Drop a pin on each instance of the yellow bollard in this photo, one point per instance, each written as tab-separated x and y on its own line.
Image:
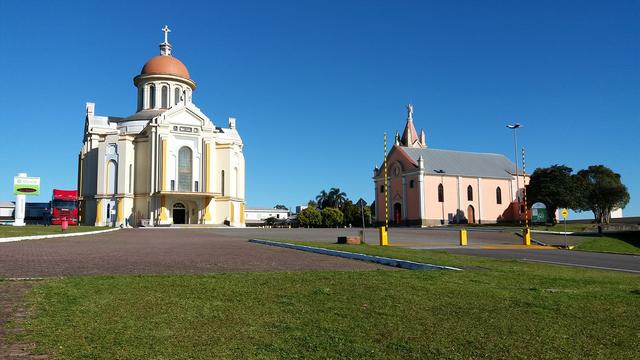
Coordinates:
463	237
526	236
384	241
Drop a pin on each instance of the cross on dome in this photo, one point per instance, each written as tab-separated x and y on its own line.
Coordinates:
165	47
166	31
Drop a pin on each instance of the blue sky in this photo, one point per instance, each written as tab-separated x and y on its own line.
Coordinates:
314	84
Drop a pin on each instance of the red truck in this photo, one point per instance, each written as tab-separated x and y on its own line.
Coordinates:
64	205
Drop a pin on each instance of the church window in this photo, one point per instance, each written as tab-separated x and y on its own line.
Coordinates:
173	185
196	184
112	179
381	189
222	183
411	184
176	96
498	195
440	193
165	97
184	169
152	96
469	193
130	178
140	98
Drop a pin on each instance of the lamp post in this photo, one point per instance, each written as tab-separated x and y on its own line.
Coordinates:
514	127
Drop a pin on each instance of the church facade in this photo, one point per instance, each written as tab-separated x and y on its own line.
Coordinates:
427	187
167	163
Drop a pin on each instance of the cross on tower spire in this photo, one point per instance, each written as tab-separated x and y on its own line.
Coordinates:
165	47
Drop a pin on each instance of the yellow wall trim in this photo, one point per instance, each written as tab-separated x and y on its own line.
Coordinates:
99	211
163	186
163	208
207	213
120	214
232	215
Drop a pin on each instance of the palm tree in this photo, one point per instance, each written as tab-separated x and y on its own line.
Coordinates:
322	199
337	197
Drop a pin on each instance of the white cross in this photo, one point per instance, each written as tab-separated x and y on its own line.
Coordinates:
166	34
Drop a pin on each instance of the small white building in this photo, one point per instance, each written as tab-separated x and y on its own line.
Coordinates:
6	211
257	216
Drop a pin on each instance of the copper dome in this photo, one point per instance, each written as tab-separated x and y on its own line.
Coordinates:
165	65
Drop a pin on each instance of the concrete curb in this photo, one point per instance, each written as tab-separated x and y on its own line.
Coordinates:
52	236
404	264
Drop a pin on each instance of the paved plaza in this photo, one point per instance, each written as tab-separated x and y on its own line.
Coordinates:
206	250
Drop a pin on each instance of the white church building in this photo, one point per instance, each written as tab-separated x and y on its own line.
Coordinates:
167	163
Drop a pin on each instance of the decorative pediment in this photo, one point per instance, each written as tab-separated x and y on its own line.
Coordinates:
185	115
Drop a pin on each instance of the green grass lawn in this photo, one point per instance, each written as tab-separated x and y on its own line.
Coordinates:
494	309
11	231
624	243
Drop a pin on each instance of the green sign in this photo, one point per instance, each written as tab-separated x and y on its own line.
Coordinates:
539	213
26	185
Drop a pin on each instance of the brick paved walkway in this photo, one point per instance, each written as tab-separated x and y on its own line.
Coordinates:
157	251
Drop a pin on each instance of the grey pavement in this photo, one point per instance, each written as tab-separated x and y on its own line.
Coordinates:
201	250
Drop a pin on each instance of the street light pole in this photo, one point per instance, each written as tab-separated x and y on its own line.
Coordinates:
514	127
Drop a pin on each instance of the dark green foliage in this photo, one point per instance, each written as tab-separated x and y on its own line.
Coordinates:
310	217
353	214
334	198
332	217
602	192
270	221
555	187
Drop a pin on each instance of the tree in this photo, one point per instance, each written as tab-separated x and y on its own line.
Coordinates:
321	199
332	217
280	207
555	187
270	221
353	214
310	217
334	198
337	198
602	192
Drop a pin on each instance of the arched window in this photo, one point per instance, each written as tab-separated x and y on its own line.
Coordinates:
152	96
440	193
185	169
411	184
236	191
112	177
498	195
165	96
222	182
176	96
140	98
469	193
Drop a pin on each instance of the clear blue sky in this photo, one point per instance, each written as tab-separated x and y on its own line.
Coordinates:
314	84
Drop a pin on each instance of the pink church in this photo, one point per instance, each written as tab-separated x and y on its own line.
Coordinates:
429	187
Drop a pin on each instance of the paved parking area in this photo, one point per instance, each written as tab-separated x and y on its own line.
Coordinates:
158	251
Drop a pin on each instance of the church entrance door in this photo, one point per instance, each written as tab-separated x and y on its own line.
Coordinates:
397	213
179	214
471	215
